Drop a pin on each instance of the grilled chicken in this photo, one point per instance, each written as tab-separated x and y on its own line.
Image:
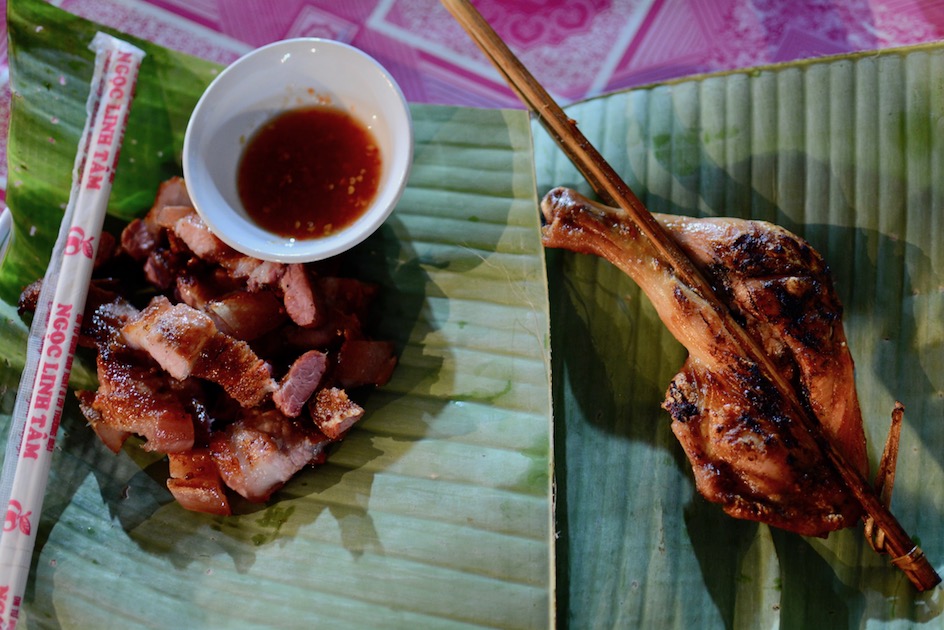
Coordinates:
747	451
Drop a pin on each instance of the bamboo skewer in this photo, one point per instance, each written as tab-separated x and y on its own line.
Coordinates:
906	555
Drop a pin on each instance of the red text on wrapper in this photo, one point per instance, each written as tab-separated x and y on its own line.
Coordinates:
51	380
104	151
15	612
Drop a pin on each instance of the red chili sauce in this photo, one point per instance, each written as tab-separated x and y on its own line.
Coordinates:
309	172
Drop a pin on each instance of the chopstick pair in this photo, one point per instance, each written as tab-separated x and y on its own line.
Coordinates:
57	320
607	183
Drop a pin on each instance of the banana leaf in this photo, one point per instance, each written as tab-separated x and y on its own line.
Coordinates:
847	152
434	512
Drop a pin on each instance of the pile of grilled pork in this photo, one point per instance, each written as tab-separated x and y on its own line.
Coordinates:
238	369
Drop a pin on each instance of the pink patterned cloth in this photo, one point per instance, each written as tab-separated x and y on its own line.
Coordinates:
576	48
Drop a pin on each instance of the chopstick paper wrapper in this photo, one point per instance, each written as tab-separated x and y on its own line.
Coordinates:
58	317
6	226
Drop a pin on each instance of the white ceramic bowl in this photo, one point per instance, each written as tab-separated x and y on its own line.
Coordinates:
264	83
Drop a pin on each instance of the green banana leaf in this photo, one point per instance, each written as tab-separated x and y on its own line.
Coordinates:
434	512
847	152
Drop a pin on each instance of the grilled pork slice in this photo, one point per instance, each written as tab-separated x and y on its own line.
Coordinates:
138	239
185	342
348	295
246	315
746	451
141	236
301	300
262	450
198	288
196	484
333	412
196	236
365	362
300	382
135	396
111	437
173	334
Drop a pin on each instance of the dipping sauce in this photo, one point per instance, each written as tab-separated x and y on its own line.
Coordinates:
309	172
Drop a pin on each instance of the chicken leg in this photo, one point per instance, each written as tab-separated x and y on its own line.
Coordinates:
747	451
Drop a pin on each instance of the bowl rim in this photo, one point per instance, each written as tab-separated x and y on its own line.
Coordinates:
279	248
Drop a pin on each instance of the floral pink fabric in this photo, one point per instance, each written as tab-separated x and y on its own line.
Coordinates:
576	48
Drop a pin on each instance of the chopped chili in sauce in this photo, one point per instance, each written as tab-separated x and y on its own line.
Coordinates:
309	172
